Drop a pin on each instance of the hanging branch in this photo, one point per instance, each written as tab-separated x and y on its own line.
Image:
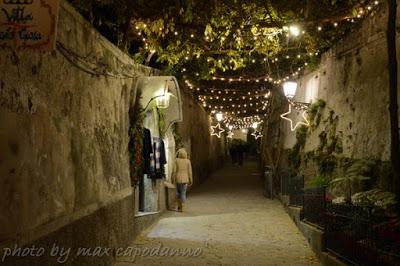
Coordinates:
393	105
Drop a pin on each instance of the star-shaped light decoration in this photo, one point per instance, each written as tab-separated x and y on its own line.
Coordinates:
217	133
306	123
230	135
257	134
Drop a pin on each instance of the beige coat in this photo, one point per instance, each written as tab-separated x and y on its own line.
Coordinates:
182	171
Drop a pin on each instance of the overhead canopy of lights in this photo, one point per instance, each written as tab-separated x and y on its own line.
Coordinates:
234	56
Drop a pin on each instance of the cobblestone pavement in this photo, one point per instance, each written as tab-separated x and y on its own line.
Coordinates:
230	222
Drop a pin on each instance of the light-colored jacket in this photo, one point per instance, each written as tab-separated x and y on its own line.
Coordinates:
182	171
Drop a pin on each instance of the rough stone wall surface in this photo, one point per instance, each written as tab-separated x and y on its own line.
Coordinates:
206	152
63	131
353	81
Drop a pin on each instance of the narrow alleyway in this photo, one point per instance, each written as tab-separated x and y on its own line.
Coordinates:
230	220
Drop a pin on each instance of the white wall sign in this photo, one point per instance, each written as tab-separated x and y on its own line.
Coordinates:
28	23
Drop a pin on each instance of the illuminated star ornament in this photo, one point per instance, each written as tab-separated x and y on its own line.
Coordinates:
305	121
217	130
257	134
230	135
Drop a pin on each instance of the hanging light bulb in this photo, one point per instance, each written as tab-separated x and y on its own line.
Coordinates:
294	30
219	117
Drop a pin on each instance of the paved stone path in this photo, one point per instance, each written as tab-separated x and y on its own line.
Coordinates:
228	218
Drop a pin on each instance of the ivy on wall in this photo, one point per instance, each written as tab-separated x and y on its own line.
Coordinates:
330	141
295	153
135	145
343	174
325	156
162	124
178	141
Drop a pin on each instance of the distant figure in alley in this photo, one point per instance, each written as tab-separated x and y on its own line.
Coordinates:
182	177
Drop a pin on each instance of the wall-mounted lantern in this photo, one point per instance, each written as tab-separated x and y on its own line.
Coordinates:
162	92
162	97
289	89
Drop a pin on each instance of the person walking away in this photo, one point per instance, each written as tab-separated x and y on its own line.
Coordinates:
240	153
233	153
182	177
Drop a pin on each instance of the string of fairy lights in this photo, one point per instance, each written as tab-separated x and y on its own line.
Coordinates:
265	79
288	31
244	122
243	108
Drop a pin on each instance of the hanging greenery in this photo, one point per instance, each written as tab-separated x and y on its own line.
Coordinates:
359	171
315	112
221	44
135	146
294	156
162	125
178	140
274	36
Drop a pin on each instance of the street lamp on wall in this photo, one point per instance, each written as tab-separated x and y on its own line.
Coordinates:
162	101
289	89
161	97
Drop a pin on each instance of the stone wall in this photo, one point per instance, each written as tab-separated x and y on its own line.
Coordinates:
353	81
64	162
64	138
206	152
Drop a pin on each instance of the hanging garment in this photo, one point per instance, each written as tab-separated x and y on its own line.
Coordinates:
147	152
160	159
163	157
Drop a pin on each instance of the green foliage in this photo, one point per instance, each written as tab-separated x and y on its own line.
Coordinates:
315	112
178	141
361	167
319	181
136	140
208	37
110	17
357	172
326	163
294	156
375	198
330	143
162	126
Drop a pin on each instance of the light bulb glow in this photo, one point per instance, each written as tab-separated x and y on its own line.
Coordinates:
294	30
163	98
219	117
289	88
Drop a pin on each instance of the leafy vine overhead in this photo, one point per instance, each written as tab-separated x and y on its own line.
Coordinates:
216	39
213	38
227	45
